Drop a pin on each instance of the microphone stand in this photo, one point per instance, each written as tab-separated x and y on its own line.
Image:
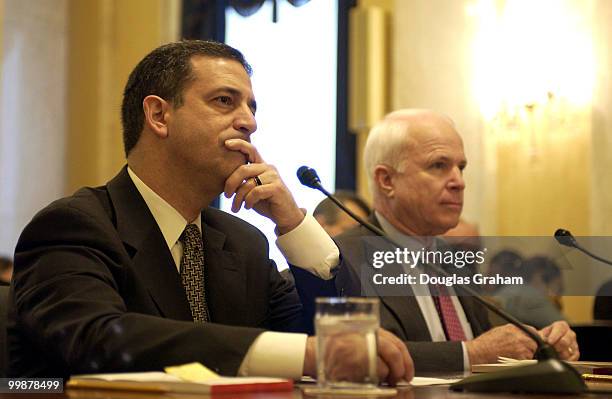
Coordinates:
549	375
564	237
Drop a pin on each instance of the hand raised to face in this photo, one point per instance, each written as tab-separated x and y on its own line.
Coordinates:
271	198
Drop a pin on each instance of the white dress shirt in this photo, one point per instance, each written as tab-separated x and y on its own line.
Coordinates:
307	246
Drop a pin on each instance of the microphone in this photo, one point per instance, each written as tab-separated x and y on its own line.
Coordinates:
310	178
549	375
564	237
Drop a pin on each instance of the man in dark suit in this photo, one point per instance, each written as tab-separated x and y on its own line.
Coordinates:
415	160
139	274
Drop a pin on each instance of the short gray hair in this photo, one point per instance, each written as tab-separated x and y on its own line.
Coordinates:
385	145
388	140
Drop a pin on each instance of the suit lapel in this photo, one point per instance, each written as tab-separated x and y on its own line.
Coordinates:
408	314
404	308
152	261
226	277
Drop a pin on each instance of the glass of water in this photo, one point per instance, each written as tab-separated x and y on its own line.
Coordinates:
346	342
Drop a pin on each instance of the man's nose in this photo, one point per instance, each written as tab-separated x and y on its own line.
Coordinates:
245	120
457	182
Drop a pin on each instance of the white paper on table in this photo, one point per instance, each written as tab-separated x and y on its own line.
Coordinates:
503	359
416	381
427	381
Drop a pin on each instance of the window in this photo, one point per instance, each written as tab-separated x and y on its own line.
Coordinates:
294	81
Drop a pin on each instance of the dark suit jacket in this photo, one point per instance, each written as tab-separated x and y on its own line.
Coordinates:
95	289
399	314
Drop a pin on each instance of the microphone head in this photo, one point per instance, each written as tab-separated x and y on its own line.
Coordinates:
308	177
564	237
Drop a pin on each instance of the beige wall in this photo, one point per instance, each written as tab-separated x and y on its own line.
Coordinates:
106	40
601	141
432	69
601	178
380	55
1	37
66	62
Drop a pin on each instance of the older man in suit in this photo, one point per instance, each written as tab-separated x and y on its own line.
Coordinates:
415	162
140	273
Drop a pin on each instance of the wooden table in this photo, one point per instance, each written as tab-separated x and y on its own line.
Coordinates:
431	392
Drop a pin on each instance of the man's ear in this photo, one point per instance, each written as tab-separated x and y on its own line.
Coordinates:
155	115
383	179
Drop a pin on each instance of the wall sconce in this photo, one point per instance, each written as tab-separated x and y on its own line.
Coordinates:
531	60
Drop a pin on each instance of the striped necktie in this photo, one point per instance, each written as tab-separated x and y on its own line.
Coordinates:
447	312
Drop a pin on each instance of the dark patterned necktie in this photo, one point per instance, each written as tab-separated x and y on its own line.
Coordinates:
447	312
192	272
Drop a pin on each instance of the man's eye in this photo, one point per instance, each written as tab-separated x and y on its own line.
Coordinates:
438	165
226	100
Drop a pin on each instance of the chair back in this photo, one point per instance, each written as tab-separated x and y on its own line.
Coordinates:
594	340
4	290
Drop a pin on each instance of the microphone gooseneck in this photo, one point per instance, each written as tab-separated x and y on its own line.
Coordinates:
564	237
548	375
309	178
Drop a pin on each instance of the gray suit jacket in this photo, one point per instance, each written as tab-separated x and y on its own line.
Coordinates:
399	314
95	289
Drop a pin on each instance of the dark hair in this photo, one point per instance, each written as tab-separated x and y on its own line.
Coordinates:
165	72
506	262
546	267
330	211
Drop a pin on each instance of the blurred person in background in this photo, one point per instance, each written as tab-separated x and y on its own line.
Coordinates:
504	263
334	220
537	301
465	237
6	270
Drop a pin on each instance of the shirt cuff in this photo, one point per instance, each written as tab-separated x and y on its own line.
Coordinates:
309	247
275	354
466	358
